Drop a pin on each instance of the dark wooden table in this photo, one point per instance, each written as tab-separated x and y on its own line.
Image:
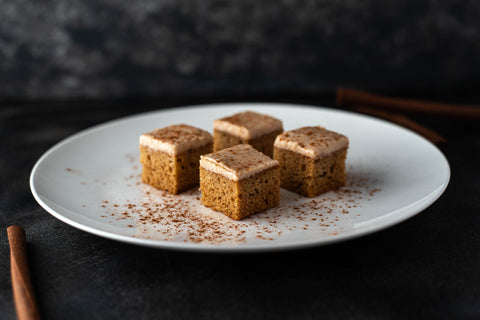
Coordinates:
425	267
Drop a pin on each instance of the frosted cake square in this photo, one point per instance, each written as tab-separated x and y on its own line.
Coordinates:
312	160
170	156
239	181
258	130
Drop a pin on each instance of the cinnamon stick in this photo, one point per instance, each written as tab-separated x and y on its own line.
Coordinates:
406	122
350	97
23	295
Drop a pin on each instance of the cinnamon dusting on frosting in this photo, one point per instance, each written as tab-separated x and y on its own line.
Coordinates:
248	125
175	139
238	162
313	142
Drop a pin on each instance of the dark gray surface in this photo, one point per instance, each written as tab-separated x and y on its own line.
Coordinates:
424	268
105	49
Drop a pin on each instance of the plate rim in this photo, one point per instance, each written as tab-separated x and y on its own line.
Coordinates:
385	222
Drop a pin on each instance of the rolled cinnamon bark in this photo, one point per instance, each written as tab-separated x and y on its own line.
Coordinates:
23	294
349	97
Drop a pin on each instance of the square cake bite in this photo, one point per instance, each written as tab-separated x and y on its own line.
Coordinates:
256	129
312	160
239	181
170	156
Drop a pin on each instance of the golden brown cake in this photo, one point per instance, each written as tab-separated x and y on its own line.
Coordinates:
239	181
256	129
170	156
312	160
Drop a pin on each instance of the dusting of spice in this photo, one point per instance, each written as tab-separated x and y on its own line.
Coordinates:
157	215
75	171
175	139
237	162
313	142
248	125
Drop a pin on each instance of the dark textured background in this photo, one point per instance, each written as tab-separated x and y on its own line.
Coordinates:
104	49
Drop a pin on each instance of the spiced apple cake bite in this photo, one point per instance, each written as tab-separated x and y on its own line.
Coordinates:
170	156
258	130
239	181
312	160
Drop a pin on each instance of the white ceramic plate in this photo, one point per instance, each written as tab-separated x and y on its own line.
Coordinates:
91	181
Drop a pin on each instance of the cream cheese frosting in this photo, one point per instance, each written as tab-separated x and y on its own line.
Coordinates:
248	125
237	163
175	139
313	142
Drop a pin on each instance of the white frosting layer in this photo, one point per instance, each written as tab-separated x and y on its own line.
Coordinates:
313	142
237	163
175	139
248	125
